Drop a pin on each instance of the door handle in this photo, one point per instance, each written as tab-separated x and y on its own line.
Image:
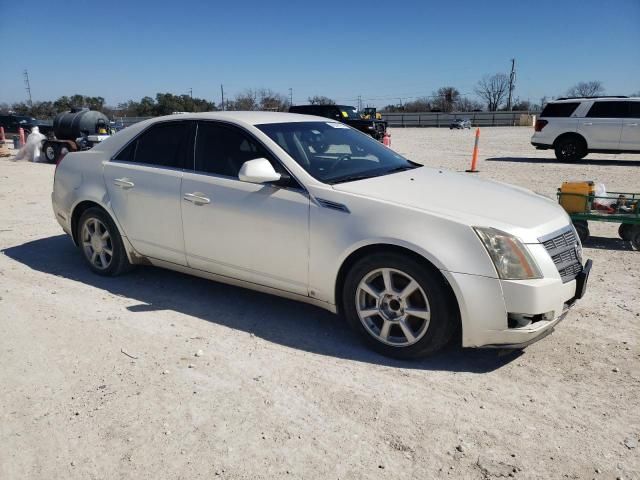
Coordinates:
588	123
196	198
632	124
124	183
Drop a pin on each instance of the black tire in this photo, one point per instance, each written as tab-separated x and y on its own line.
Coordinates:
624	231
570	148
582	228
117	261
635	237
431	335
51	151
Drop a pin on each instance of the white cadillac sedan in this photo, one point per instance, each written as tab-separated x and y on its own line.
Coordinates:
310	209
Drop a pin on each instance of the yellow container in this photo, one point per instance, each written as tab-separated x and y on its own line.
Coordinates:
574	196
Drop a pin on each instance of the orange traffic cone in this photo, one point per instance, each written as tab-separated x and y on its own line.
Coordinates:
474	158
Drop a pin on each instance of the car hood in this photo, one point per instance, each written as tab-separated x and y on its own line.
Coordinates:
465	199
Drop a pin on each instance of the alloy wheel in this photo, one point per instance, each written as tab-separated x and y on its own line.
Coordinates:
97	244
393	307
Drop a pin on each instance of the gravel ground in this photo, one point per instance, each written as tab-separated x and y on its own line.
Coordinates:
161	375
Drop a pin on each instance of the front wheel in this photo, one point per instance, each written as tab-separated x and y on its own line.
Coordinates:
401	308
101	244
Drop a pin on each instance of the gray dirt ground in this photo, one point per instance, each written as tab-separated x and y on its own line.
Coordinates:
285	390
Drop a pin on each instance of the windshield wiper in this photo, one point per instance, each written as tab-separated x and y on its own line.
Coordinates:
362	176
401	169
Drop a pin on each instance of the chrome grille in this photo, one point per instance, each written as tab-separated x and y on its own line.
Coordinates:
565	251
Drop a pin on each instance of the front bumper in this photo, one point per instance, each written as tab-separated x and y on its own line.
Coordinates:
488	306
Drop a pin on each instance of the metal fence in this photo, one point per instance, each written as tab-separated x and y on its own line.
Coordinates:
478	119
426	119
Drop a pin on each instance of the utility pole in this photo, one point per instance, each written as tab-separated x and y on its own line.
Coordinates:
222	91
191	92
28	86
512	80
290	96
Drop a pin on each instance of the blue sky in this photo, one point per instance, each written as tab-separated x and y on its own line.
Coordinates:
380	50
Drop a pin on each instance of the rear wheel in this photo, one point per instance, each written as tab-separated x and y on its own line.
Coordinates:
570	149
51	151
582	227
400	308
101	244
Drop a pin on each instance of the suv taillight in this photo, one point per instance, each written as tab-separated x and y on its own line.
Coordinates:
540	124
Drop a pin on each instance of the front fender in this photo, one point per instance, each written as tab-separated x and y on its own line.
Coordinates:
334	235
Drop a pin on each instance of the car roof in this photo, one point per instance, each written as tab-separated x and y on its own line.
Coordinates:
593	99
241	118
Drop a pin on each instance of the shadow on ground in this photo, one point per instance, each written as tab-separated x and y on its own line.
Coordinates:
275	319
606	243
584	161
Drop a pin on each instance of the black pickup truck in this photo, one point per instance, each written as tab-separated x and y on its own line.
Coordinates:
345	114
12	123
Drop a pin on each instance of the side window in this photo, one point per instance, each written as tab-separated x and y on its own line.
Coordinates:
635	109
128	154
222	149
163	145
609	110
561	109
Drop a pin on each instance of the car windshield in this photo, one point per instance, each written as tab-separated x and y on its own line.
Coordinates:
333	152
351	113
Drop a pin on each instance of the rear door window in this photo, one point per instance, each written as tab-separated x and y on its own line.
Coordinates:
564	109
634	111
604	109
163	145
223	149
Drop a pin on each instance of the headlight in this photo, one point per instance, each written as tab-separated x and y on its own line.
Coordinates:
511	258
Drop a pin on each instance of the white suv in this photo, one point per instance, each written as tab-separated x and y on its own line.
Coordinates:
574	127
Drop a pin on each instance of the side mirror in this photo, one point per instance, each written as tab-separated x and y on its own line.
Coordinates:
259	170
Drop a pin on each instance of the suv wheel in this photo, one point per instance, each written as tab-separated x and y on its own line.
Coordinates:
101	244
400	308
570	149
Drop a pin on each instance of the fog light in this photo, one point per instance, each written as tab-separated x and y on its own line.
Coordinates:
519	320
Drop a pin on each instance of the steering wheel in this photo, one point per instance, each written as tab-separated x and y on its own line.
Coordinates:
339	160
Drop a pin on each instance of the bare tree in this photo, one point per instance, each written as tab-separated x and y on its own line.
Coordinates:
247	100
272	101
465	104
493	90
586	89
445	99
320	100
